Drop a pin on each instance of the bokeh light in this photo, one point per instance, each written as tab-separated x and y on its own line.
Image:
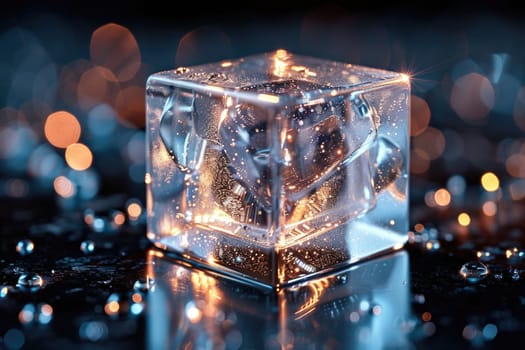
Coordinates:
62	129
78	156
96	85
489	208
442	197
64	187
464	219
203	45
130	106
114	47
430	144
490	182
472	97
134	210
419	115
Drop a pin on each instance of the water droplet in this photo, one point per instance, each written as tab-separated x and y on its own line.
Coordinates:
30	282
474	271
182	70
5	291
87	247
515	274
25	247
217	77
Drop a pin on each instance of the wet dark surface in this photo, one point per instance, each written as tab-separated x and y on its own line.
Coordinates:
441	307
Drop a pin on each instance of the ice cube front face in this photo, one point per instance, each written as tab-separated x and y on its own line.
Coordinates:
276	167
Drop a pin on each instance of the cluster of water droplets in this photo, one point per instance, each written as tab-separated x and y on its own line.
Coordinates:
94	232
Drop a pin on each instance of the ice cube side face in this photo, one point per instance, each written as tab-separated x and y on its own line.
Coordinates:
274	168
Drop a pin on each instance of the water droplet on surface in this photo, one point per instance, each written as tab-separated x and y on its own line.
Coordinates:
515	274
474	271
5	291
30	282
25	247
182	70
87	247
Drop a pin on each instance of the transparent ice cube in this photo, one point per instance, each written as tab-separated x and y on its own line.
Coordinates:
267	166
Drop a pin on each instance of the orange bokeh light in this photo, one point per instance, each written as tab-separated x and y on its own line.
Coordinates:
431	143
515	165
490	182
472	97
64	187
78	156
134	210
419	115
464	219
95	86
442	197
130	105
115	48
62	129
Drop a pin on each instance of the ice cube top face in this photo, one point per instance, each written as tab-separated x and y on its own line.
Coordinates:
275	167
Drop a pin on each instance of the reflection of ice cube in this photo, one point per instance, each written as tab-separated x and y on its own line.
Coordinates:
304	315
317	138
